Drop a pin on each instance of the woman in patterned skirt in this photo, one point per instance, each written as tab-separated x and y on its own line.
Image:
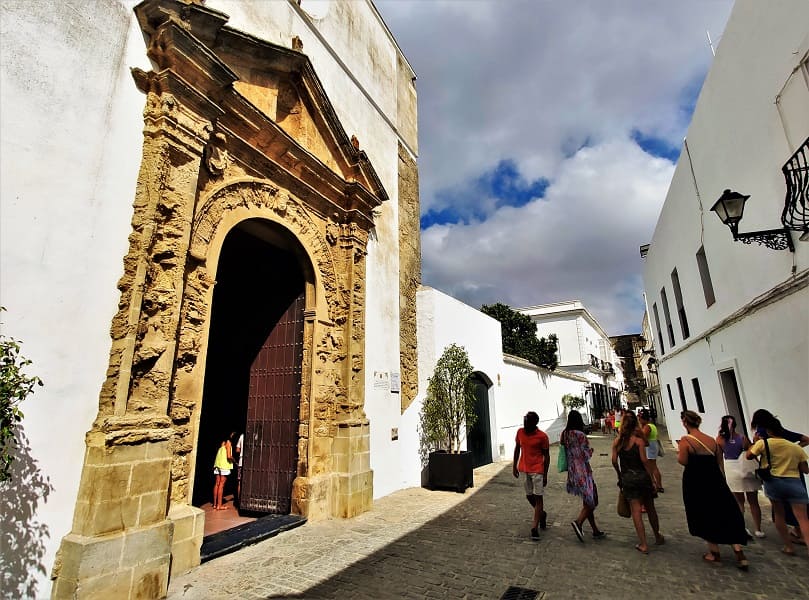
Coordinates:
579	474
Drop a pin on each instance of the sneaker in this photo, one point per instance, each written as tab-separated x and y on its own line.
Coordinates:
599	535
577	528
534	534
759	534
543	520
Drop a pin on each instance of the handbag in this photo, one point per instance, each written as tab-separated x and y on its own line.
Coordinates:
623	505
765	473
561	460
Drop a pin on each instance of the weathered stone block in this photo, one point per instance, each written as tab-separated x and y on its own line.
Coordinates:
151	476
106	517
189	522
109	483
143	545
152	508
114	585
185	555
83	557
151	580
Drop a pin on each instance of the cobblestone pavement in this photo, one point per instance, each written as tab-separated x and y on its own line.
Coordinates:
417	543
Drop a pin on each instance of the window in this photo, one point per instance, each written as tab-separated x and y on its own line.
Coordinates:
681	391
678	300
657	326
698	395
667	315
705	277
671	398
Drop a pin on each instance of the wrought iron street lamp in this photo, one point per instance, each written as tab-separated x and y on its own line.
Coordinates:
730	209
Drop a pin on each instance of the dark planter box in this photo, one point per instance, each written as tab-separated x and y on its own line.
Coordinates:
446	470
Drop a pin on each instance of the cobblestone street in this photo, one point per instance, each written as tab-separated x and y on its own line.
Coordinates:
432	544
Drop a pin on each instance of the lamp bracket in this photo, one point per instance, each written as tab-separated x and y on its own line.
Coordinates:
774	239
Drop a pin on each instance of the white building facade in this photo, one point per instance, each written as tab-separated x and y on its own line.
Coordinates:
584	350
730	320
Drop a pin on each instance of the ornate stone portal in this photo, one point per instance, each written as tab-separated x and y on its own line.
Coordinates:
235	129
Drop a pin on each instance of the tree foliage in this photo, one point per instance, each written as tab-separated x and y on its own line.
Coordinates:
570	401
15	386
520	336
450	403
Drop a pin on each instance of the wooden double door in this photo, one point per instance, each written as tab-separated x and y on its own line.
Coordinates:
270	451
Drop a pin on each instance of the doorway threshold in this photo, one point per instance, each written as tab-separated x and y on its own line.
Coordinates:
230	540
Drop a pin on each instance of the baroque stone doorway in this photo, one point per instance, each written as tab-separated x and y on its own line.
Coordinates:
259	279
237	132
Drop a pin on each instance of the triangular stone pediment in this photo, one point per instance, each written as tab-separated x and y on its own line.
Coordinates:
270	95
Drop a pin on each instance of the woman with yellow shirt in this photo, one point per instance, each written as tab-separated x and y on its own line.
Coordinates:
786	461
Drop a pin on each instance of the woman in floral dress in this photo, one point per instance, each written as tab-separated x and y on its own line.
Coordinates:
579	474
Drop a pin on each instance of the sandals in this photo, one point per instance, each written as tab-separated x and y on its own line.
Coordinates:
741	560
788	551
659	539
641	550
711	557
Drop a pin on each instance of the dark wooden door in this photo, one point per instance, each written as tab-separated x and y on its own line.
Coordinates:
479	437
273	405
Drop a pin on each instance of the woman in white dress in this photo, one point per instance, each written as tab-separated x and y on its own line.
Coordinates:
739	472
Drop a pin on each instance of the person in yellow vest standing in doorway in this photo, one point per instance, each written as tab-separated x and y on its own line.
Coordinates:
222	467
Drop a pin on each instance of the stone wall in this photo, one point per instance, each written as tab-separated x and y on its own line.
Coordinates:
409	273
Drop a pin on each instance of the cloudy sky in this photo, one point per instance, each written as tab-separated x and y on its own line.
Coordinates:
548	134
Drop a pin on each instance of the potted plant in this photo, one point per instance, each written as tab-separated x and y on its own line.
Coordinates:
447	412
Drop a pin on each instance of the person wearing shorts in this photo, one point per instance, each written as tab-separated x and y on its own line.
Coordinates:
649	430
223	465
786	461
532	457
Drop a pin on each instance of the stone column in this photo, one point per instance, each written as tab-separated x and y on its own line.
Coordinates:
352	446
120	543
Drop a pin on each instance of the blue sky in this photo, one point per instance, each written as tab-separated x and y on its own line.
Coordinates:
548	135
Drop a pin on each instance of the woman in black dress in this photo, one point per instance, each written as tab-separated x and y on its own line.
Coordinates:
710	508
635	478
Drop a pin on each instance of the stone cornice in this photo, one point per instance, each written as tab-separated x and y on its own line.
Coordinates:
191	46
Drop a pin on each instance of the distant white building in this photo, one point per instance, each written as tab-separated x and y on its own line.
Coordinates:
729	320
585	350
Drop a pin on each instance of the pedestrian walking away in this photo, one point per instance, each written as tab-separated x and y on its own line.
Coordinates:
740	472
532	457
635	479
760	416
580	481
710	508
783	486
649	430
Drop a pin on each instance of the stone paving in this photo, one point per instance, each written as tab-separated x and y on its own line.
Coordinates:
433	544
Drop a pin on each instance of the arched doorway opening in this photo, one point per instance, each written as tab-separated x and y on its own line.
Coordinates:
479	437
253	367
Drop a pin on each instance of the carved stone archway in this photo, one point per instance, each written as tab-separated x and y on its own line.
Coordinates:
235	129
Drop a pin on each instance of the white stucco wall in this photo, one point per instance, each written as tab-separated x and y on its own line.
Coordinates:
739	138
443	320
70	142
525	387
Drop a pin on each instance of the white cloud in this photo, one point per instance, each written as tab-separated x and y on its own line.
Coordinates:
533	81
579	242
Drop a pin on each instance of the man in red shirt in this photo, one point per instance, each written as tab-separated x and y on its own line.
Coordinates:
532	456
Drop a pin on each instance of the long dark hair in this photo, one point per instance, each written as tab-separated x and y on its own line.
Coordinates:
574	423
725	426
766	420
628	426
